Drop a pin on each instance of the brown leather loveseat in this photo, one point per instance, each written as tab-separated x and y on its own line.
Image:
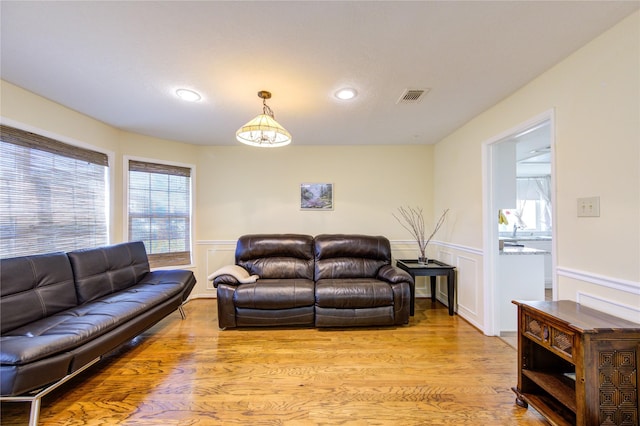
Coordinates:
332	280
61	312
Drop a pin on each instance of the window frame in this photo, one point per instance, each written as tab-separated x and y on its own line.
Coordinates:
125	202
66	140
539	204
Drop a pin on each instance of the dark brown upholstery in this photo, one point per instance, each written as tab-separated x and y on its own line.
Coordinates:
33	288
333	280
276	256
60	311
284	294
106	270
350	288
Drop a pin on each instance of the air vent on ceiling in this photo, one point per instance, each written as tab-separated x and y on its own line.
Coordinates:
412	96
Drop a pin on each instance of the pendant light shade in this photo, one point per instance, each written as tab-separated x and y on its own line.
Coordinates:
264	130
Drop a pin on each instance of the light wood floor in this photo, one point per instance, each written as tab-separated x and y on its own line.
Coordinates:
438	370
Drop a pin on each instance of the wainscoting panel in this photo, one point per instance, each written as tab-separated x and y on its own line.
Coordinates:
631	313
469	287
447	257
212	255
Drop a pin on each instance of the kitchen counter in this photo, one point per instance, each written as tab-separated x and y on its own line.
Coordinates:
526	238
521	251
520	276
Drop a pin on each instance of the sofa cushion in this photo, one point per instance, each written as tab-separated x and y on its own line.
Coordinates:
34	287
276	255
353	293
350	256
275	294
106	270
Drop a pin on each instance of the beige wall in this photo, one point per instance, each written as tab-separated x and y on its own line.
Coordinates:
36	112
595	94
247	190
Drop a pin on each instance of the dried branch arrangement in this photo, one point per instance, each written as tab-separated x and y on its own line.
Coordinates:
412	220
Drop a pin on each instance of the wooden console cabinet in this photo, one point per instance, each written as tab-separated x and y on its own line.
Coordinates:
576	365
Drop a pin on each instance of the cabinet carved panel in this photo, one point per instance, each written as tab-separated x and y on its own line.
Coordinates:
618	387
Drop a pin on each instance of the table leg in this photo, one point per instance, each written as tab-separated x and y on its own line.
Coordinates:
433	288
451	285
412	302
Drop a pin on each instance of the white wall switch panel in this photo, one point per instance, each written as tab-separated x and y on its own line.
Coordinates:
589	207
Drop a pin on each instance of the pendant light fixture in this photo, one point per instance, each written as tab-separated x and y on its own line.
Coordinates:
264	130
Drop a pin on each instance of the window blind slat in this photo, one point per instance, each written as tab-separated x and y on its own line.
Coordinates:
163	169
169	259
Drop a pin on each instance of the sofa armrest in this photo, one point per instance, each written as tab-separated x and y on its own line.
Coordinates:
393	275
184	278
225	279
233	275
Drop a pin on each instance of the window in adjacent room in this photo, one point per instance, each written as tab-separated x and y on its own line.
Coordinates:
533	211
53	196
159	211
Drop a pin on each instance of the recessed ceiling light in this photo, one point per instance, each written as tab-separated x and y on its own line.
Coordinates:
346	94
188	95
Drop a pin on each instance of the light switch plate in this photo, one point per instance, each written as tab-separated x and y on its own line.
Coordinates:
589	207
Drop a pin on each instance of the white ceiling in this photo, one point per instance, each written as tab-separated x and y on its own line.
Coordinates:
120	62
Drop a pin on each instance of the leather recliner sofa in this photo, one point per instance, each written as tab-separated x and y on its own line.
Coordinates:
332	280
61	312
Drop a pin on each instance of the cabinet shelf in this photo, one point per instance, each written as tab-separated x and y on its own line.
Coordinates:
558	386
555	413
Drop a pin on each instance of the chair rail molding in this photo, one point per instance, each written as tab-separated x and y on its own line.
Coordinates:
632	287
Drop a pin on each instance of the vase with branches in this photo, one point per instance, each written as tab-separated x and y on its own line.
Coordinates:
412	219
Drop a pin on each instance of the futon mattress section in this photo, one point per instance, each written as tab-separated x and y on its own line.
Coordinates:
74	327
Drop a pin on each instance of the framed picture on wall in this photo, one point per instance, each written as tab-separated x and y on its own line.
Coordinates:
316	196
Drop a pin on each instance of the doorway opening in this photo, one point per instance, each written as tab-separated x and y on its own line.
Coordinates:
518	232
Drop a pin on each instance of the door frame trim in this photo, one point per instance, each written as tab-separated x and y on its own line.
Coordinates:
490	223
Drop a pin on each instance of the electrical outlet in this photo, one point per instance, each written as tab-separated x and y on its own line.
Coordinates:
589	207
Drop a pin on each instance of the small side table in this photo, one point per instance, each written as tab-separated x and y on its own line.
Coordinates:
433	269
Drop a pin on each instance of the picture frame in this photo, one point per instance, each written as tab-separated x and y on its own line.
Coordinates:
316	196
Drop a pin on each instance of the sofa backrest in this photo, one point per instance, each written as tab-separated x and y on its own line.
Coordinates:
34	287
276	255
350	256
105	270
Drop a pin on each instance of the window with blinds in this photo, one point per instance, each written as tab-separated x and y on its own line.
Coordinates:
160	211
53	196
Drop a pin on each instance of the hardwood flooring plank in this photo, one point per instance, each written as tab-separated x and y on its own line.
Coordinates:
438	370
